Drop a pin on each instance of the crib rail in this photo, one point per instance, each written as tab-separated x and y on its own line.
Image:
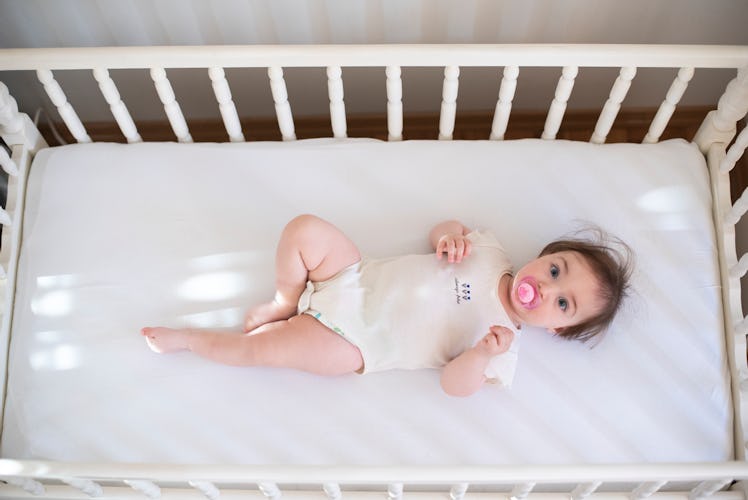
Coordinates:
598	482
568	58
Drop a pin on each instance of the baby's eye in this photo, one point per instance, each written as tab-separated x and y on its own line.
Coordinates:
554	271
563	304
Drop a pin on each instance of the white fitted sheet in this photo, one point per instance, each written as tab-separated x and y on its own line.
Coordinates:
121	236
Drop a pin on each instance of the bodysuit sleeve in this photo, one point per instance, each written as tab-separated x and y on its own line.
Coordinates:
501	368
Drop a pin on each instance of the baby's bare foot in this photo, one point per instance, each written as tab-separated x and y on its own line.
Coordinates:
267	313
165	340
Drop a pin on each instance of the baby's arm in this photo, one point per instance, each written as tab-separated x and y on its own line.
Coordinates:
450	237
463	375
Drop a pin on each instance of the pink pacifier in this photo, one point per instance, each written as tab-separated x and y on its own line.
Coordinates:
527	293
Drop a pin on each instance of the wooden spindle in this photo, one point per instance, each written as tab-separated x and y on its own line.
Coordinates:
282	106
332	490
207	488
395	491
147	488
394	103
119	110
720	124
584	490
739	269
646	490
7	163
270	490
504	103
708	488
558	106
5	218
458	491
11	121
520	491
60	100
665	112
613	104
742	327
31	486
337	106
226	104
738	209
171	106
735	152
449	102
87	486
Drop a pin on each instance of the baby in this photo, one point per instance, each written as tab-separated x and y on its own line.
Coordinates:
335	312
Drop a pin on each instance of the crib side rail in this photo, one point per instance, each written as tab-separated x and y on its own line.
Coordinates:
597	482
570	59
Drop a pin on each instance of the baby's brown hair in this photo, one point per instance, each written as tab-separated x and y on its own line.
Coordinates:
611	261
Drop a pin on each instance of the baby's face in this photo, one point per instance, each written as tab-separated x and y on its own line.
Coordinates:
556	291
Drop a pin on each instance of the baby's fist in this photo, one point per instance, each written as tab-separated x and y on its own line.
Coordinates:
496	341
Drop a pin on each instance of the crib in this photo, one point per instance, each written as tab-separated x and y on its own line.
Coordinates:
49	474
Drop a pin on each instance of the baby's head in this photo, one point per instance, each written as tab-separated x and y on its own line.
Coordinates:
575	286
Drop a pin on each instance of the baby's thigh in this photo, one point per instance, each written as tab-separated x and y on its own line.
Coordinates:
306	344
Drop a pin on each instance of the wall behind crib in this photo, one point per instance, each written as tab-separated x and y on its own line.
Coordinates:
68	23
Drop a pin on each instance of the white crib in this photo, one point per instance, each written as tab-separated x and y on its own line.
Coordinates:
24	478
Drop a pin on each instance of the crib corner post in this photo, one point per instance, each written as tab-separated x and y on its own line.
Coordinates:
720	124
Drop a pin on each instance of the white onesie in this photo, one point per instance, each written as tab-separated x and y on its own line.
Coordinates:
416	311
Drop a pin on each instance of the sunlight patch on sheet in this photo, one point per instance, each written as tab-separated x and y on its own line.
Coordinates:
223	318
667	200
212	286
57	281
64	357
57	303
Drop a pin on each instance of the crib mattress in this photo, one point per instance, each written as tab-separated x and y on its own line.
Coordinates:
117	237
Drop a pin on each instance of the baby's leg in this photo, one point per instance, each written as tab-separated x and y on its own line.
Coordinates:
309	248
302	343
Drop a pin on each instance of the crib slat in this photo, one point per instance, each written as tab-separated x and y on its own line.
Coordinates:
394	103
87	486
520	491
337	106
270	490
282	107
28	485
7	163
458	491
332	490
665	112
558	106
60	100
449	102
171	106
147	488
226	104
584	490
11	121
738	209
504	103
207	488
395	491
735	152
647	489
708	488
119	110
613	104
739	269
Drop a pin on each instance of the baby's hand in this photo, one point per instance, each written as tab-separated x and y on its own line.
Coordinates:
496	341
456	246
